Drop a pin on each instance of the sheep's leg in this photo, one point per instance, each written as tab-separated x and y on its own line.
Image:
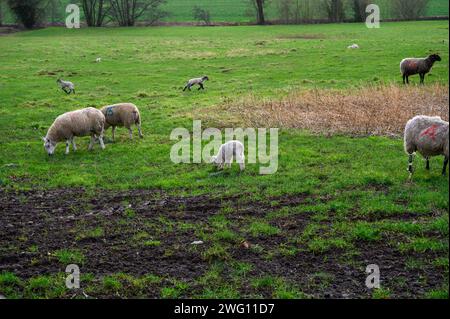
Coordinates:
100	138
74	146
427	167
201	87
91	143
407	79
67	146
404	79
422	78
444	169
410	165
130	132
241	162
113	129
140	131
73	91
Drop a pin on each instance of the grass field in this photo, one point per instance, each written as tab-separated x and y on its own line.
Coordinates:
127	214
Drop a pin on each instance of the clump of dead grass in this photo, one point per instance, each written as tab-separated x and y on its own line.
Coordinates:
376	110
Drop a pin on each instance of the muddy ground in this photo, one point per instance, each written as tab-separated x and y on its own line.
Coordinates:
60	219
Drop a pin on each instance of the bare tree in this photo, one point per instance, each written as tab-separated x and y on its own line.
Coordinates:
259	6
95	12
1	13
409	9
126	12
28	12
202	15
53	8
359	9
286	10
334	10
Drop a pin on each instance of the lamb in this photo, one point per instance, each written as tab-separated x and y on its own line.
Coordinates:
66	86
353	46
428	136
122	114
226	153
195	81
420	66
88	121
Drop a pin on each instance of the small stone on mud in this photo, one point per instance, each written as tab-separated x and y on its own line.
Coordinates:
197	242
245	244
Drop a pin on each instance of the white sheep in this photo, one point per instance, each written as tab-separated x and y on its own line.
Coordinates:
422	66
66	86
195	81
122	114
228	151
88	121
353	46
428	136
98	60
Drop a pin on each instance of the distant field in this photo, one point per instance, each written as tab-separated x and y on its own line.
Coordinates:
241	10
128	215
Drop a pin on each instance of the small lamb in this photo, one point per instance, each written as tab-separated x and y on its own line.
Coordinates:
88	121
195	81
353	46
228	151
428	136
98	60
66	86
122	114
422	66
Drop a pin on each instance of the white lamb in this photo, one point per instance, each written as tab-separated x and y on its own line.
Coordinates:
88	121
228	151
66	86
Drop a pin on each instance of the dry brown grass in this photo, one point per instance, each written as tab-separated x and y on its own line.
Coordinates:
381	110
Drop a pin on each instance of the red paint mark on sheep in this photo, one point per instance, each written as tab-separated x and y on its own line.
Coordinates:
431	132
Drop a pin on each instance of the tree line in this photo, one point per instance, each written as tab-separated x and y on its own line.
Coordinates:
127	12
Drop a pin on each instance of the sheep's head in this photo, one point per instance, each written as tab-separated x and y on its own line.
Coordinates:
205	78
49	146
58	81
435	57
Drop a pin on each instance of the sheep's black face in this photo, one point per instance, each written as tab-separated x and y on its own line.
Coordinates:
435	57
205	78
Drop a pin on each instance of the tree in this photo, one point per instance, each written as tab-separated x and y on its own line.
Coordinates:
334	10
359	9
126	12
258	6
285	10
409	9
53	8
1	13
27	12
202	15
95	12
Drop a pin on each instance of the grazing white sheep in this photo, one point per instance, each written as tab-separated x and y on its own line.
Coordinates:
422	66
88	121
228	151
122	114
98	60
353	46
66	86
428	136
195	81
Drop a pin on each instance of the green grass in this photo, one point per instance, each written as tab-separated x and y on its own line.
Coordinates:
340	175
